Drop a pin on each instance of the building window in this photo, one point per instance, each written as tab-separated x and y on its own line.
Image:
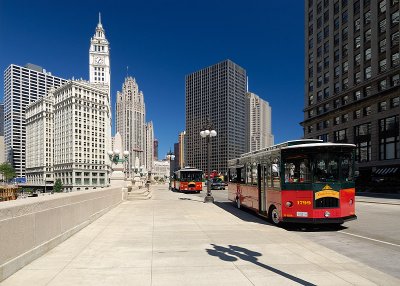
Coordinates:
383	84
326	32
336	120
319	125
382	106
337	71
382	46
345	100
345	118
336	103
382	65
395	18
395	59
345	33
394	102
340	136
357	42
326	77
319	95
357	25
319	66
319	81
336	23
382	26
345	66
337	87
382	6
367	111
367	17
357	77
345	83
326	47
319	52
345	17
324	137
367	72
395	38
357	114
326	62
389	147
345	50
326	92
336	39
367	90
326	107
367	53
395	80
357	95
311	100
362	140
356	7
336	55
367	36
326	16
357	59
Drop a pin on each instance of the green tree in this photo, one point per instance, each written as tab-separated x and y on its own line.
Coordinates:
57	186
7	170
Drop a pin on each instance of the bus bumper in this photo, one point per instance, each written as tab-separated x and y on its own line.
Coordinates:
320	220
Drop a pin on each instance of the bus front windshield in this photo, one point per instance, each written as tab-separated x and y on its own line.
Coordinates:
332	167
191	176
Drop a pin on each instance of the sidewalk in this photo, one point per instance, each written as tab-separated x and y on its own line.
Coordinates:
176	239
392	199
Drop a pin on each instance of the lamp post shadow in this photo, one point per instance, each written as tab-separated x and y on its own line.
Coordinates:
234	253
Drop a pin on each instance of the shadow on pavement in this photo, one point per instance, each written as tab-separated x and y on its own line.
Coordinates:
233	253
243	214
250	216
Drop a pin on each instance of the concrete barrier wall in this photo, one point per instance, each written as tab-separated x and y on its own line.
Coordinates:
31	227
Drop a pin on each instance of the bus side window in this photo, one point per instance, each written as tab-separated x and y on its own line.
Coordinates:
276	180
269	177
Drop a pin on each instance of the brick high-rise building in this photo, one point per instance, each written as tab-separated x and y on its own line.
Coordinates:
352	79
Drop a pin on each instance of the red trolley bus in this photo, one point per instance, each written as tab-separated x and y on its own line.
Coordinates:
297	181
188	180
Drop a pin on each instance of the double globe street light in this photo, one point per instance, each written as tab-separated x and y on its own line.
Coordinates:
208	133
170	158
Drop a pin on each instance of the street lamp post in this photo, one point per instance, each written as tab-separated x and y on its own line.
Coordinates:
115	158
208	133
170	158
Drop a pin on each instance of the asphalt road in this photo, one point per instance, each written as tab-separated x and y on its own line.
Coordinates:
373	239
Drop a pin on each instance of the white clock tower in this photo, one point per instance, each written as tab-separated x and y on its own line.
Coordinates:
99	58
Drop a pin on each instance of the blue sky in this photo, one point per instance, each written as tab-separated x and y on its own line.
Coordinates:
161	42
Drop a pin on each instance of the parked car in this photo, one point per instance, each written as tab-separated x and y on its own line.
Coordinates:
217	184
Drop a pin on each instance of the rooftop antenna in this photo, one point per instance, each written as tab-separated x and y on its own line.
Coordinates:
247	84
127	68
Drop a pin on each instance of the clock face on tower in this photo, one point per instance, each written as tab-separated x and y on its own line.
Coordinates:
98	60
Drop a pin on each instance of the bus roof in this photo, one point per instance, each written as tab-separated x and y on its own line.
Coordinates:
189	169
322	144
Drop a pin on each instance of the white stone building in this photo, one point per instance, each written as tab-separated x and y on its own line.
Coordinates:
160	169
131	124
39	117
81	116
259	123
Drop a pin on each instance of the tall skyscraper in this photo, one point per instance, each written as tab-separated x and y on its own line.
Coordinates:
131	124
155	149
22	86
2	146
259	123
149	146
352	76
216	94
181	159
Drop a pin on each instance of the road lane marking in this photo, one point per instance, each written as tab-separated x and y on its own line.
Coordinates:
381	241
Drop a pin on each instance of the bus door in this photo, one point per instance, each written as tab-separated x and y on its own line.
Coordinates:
262	187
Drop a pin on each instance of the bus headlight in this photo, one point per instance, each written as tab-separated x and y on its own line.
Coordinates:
327	214
289	204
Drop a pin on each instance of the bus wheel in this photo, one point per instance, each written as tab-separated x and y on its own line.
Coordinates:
274	215
238	202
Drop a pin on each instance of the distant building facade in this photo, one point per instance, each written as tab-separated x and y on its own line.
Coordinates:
2	146
160	170
22	86
131	124
181	159
352	80
155	149
216	94
149	146
259	123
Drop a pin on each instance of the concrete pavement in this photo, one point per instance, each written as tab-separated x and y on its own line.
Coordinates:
176	239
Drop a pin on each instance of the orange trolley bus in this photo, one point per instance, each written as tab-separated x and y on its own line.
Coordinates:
188	180
305	181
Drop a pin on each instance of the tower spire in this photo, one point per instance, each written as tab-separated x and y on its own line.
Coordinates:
99	18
